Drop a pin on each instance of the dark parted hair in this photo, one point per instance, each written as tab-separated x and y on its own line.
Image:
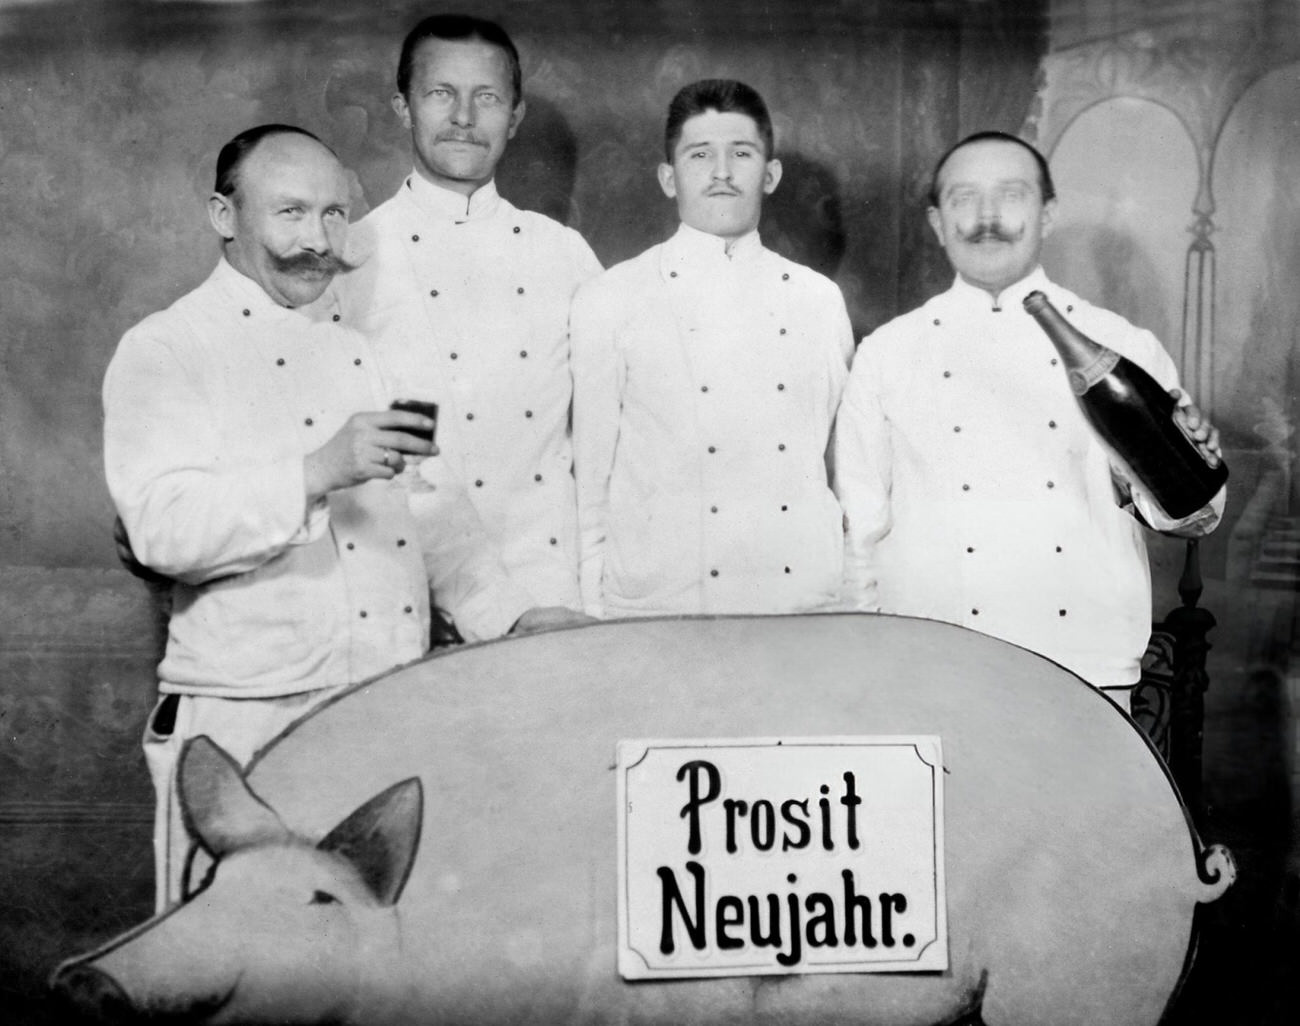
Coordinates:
456	28
234	153
1045	186
724	95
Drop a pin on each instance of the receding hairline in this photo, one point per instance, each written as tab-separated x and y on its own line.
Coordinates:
293	139
245	146
1032	174
287	143
1041	176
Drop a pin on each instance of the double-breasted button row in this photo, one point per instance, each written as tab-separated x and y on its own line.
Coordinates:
455	355
780	387
434	293
479	482
351	546
528	415
365	613
780	447
784	508
717	573
971	548
280	361
515	229
966	484
976	612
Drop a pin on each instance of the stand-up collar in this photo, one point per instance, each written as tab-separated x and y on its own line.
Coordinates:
691	250
241	291
444	203
1009	298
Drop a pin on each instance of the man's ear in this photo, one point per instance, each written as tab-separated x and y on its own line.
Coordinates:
936	222
401	109
221	212
771	176
668	180
516	116
1048	217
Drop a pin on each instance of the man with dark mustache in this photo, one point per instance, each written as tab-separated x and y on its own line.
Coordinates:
974	491
706	372
466	298
250	453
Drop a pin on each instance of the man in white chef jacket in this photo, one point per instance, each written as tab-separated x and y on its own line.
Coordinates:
466	298
706	376
974	490
250	453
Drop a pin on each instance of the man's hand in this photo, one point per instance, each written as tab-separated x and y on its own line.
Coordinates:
368	446
542	618
1195	425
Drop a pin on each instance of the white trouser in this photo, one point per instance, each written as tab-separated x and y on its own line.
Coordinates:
1122	697
239	725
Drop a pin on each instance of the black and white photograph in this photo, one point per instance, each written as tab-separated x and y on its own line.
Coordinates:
650	512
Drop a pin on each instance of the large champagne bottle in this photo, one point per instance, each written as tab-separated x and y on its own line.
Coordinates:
1133	415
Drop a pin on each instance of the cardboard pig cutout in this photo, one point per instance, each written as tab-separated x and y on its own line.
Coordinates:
286	930
458	842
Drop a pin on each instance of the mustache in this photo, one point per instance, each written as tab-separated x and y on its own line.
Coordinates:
460	137
319	263
991	231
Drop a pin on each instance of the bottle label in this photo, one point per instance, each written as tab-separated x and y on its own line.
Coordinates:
1084	378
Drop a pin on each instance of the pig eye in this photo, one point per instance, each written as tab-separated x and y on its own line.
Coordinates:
323	898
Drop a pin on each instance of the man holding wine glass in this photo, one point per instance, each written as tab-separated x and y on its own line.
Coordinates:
249	452
977	488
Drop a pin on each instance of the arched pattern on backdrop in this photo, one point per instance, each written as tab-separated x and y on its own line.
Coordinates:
1126	175
1258	241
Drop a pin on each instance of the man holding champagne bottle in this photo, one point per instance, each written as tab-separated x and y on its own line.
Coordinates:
975	488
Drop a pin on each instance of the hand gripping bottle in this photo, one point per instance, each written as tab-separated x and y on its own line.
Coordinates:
1133	415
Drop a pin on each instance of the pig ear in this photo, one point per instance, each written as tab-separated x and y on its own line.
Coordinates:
380	839
218	807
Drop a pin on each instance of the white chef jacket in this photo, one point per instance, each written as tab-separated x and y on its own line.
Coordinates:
975	492
209	408
467	301
705	386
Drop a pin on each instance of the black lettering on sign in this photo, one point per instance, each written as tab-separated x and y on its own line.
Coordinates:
762	825
673	897
731	912
735	807
853	904
704	787
851	801
774	923
889	903
691	810
800	824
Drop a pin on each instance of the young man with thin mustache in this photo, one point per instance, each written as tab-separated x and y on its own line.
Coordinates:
706	375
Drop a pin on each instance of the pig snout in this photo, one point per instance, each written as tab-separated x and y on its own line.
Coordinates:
90	995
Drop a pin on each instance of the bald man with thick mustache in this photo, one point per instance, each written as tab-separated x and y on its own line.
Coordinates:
252	458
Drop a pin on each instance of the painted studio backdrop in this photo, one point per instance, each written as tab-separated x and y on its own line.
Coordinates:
1172	130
